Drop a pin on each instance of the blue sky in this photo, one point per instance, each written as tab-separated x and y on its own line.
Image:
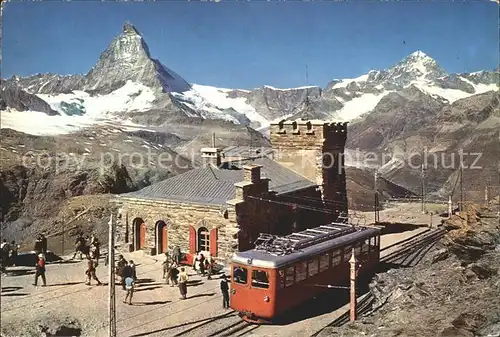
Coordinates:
249	44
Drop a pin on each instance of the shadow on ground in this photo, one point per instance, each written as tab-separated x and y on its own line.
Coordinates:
326	302
203	321
150	303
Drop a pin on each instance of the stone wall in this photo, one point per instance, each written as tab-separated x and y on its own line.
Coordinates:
315	149
258	211
178	217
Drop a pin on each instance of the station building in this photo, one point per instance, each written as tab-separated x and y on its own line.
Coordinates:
223	206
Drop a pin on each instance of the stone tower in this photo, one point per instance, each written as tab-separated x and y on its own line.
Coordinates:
315	149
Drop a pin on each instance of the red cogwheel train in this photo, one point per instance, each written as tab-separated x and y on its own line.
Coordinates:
283	272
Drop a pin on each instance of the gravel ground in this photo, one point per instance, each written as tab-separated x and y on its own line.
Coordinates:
157	309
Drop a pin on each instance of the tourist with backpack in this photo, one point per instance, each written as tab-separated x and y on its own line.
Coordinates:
40	270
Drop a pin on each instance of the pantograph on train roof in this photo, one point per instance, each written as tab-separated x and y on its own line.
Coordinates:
283	245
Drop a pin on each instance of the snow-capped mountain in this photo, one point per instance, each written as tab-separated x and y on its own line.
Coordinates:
128	85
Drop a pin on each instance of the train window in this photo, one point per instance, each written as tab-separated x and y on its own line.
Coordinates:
365	248
347	253
290	276
336	260
313	267
281	278
357	249
324	262
240	275
260	279
301	271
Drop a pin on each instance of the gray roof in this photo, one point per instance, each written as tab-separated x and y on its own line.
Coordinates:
210	185
247	151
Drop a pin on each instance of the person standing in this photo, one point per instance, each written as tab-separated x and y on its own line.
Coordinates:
209	267
201	260
166	269
183	279
40	270
79	244
90	272
13	252
128	271
44	244
121	265
176	255
38	244
224	288
129	286
173	274
132	267
5	251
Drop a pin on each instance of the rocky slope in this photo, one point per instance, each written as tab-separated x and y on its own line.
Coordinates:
406	123
14	97
38	174
453	292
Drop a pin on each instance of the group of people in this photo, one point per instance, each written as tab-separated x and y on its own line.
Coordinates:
203	266
176	275
82	248
173	272
8	254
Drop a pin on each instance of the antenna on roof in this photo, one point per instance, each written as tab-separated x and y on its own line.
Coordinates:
307	76
306	102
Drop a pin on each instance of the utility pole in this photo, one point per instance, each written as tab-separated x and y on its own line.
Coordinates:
450	210
422	176
376	199
111	283
461	187
354	303
62	236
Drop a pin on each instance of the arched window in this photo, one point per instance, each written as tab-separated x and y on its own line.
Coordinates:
203	239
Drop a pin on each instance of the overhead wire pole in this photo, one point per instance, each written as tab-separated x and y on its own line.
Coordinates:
422	177
377	219
461	186
111	283
498	211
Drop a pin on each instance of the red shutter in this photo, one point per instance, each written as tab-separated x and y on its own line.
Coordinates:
192	240
213	242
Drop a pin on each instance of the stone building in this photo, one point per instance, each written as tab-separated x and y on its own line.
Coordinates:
222	206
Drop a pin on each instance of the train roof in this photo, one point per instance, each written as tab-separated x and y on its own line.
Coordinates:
266	259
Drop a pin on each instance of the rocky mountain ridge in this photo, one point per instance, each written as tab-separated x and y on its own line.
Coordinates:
127	72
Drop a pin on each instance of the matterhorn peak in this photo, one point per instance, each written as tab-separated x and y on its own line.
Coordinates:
129	28
127	58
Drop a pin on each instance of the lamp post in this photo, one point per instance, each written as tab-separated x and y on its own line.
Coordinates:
353	308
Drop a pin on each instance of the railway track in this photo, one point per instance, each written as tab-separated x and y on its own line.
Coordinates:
229	324
404	254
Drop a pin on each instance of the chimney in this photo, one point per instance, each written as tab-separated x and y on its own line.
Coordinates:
252	173
211	156
213	139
